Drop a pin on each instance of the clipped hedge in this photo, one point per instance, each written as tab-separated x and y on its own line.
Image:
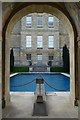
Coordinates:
56	69
20	69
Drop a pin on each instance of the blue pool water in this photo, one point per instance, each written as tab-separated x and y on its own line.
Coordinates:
27	82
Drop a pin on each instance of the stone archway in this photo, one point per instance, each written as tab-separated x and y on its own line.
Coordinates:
15	16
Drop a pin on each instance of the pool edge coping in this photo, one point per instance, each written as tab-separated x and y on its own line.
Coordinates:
14	74
65	74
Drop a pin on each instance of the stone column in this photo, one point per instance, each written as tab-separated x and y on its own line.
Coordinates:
0	78
79	72
72	68
0	60
76	74
5	72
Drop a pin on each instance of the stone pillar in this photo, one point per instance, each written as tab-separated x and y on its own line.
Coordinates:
0	60
0	78
72	69
5	72
76	74
79	72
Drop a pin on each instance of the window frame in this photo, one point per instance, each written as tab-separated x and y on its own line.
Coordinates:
28	43
29	24
38	56
39	17
28	57
49	21
39	43
50	42
50	59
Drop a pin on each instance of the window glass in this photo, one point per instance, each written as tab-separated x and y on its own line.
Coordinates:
28	56
51	41
40	21
39	41
28	41
39	56
50	21
29	20
51	57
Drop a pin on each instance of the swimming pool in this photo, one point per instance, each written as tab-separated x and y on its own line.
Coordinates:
27	82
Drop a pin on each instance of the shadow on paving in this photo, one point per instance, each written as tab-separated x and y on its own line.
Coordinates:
40	109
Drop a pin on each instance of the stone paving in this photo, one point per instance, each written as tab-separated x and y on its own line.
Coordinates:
58	106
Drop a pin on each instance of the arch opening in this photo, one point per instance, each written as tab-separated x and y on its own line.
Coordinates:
51	10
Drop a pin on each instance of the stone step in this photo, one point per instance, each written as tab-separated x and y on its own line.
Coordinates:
40	69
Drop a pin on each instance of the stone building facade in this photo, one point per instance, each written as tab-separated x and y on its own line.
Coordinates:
39	39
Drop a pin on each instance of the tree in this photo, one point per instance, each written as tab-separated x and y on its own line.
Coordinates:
66	60
11	60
